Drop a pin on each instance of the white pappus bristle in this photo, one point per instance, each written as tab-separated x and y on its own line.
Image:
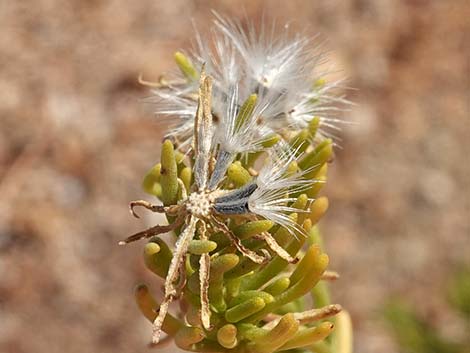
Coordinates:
271	199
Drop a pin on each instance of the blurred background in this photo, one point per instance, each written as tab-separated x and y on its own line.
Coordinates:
76	139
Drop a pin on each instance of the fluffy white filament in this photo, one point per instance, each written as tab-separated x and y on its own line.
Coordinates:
281	68
246	137
271	199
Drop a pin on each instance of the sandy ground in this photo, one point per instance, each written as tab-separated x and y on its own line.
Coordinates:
75	140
